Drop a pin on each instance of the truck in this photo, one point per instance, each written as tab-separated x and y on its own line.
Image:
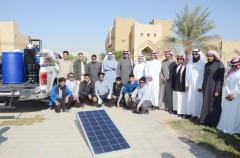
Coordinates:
40	77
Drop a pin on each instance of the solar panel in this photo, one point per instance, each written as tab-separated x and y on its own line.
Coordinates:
100	132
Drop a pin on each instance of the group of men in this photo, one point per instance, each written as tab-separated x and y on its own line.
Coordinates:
188	86
109	82
202	89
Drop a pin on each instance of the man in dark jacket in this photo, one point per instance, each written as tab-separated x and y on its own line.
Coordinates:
79	67
117	87
178	86
212	90
87	90
61	97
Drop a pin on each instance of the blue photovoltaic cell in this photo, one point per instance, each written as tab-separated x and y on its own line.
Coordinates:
102	133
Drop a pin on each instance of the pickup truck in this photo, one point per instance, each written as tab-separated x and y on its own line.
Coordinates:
36	87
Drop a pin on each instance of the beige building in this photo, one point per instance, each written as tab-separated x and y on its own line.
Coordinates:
127	34
228	48
10	37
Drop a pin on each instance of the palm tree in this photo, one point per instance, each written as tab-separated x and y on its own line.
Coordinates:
191	28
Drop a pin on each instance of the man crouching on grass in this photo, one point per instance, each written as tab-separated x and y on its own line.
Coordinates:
61	97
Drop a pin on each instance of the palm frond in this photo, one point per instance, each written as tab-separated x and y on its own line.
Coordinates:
192	27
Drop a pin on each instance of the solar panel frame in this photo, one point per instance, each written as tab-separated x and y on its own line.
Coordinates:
98	138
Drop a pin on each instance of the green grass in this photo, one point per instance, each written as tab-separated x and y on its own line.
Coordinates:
23	121
221	144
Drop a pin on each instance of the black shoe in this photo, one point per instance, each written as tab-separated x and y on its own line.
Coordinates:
77	105
57	110
65	110
146	112
184	116
108	105
195	118
129	108
175	112
135	111
154	107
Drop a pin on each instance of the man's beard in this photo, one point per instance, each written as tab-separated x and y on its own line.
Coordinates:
196	59
154	57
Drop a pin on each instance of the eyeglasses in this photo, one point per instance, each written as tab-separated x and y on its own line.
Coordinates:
179	58
141	82
71	76
195	54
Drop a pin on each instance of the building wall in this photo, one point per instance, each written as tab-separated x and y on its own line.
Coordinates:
10	37
122	31
108	41
150	35
228	48
127	34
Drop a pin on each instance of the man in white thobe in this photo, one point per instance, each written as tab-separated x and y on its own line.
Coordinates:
152	72
109	67
193	83
138	69
230	116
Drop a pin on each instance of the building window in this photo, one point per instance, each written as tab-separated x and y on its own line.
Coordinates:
142	34
123	41
155	35
148	34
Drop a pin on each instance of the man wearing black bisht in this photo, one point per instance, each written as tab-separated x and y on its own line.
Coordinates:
212	90
178	86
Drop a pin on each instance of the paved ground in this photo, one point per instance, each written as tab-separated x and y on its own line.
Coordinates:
58	136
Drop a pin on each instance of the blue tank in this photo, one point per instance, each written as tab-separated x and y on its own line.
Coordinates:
13	68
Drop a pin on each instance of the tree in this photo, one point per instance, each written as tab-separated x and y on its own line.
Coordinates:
101	56
191	28
118	55
72	57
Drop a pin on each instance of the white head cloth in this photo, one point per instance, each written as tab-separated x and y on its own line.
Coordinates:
106	56
202	57
216	55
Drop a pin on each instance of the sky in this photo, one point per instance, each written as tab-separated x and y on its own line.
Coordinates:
82	25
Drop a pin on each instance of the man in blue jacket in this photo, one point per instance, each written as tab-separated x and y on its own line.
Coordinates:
61	97
127	90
